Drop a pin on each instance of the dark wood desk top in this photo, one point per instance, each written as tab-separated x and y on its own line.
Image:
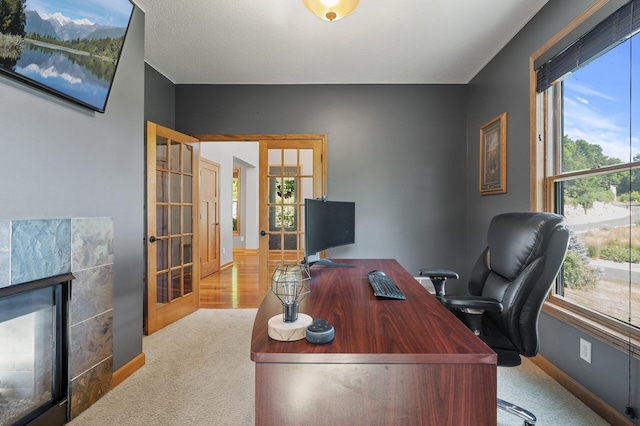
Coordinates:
370	330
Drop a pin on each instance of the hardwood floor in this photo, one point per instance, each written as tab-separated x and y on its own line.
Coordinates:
233	287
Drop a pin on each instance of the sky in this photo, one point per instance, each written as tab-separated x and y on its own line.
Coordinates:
104	12
602	101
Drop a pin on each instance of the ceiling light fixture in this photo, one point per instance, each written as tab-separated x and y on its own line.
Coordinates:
331	10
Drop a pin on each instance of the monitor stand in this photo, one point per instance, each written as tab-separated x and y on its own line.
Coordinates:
331	264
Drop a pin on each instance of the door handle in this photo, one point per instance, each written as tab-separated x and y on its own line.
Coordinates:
263	233
152	239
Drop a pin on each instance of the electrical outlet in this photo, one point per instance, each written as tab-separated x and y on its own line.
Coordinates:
224	250
629	411
585	350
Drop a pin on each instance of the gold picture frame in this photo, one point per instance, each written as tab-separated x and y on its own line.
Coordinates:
493	156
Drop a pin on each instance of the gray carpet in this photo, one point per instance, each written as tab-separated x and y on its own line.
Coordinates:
198	372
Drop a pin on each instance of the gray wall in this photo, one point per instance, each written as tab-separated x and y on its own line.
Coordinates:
61	161
503	85
393	149
160	98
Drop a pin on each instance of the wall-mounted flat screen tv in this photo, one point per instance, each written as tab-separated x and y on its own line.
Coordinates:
69	48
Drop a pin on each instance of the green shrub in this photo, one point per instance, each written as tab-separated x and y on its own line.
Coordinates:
634	197
577	271
620	253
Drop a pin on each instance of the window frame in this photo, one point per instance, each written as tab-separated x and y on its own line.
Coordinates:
610	330
542	198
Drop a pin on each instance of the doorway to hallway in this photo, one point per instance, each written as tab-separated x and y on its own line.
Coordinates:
277	155
234	287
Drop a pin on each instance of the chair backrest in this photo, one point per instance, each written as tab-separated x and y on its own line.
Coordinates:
523	257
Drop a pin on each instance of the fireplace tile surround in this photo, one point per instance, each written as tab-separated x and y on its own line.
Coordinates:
34	249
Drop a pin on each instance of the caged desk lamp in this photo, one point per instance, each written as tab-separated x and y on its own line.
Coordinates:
290	284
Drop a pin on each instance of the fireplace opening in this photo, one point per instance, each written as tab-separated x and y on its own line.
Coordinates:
34	352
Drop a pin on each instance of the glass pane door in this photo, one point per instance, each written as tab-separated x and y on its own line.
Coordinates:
174	227
290	171
172	243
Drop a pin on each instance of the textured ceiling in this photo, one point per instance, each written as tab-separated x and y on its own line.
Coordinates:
281	42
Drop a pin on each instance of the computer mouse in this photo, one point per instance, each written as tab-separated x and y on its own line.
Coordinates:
377	272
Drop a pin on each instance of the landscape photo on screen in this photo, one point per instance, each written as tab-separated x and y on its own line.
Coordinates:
69	47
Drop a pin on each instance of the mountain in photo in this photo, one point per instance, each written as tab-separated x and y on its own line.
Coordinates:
35	24
63	28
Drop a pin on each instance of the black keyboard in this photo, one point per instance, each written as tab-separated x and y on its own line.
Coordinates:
383	286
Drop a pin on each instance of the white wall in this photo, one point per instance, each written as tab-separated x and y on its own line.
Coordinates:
224	153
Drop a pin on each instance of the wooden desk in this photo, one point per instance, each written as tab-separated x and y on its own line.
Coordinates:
392	362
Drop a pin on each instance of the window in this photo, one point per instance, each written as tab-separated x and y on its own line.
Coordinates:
591	174
285	197
235	200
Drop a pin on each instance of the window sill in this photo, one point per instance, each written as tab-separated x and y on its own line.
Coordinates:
613	333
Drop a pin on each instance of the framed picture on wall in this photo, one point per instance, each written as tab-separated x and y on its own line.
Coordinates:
69	49
493	156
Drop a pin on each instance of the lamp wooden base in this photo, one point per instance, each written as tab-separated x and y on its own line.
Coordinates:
289	331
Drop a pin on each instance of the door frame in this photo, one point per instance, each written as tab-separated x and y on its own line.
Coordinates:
261	139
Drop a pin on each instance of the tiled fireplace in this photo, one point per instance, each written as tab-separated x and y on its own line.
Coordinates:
33	252
34	352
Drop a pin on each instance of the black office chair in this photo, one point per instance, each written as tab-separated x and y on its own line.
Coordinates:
508	285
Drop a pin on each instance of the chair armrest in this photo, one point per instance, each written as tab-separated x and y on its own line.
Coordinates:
471	304
438	273
438	278
472	308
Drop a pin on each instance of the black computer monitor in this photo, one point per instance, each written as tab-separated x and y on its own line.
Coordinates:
328	224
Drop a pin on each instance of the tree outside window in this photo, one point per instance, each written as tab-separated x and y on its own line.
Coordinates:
235	200
286	200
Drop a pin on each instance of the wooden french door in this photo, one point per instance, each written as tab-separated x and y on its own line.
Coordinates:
290	171
209	218
172	248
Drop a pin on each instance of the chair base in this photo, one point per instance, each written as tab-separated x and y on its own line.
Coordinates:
528	417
